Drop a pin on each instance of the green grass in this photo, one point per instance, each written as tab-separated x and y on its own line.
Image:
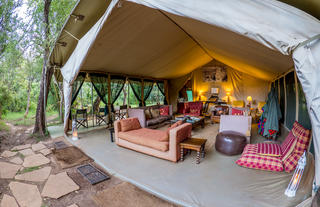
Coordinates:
20	155
3	126
17	118
29	169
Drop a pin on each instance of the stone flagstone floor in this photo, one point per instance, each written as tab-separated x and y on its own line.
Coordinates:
24	167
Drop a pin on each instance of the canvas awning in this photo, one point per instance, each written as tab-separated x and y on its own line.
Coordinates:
169	38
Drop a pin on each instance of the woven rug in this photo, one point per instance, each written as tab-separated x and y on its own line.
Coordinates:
126	194
70	157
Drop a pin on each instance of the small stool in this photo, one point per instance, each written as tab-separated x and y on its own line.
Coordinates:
230	143
196	144
111	130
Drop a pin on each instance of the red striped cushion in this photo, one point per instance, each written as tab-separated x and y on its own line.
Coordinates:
269	149
288	145
251	159
303	138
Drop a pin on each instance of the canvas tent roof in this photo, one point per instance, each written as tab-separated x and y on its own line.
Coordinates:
169	38
264	66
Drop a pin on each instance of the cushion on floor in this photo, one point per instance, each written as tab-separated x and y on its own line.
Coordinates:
269	149
288	146
303	138
155	139
251	159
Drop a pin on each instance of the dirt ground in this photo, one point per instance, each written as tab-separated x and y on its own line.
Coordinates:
19	135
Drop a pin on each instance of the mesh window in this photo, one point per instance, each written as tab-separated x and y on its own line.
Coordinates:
304	119
291	100
282	99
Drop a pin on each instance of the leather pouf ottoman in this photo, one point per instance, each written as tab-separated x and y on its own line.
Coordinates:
230	142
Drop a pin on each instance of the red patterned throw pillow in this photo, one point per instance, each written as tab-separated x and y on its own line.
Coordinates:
164	111
236	111
303	138
269	149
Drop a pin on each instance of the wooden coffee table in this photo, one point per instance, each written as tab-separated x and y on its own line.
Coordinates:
196	144
200	122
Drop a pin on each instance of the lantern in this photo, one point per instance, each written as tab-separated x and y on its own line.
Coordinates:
296	178
74	130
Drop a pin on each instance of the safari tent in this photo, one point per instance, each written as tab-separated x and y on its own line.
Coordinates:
259	42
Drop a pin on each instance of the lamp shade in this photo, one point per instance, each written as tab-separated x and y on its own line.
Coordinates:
249	98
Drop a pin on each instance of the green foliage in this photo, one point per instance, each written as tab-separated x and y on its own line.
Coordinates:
22	46
3	126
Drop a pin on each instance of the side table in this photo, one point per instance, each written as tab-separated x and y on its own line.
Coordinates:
196	144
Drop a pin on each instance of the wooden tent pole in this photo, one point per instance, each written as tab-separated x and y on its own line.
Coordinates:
109	99
92	109
142	92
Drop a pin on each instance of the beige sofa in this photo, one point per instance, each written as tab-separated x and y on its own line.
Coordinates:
153	142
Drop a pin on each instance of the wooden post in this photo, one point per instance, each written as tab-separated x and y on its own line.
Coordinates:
166	90
109	99
92	109
142	92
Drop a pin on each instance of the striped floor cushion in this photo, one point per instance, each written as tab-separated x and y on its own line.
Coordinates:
251	159
302	136
269	149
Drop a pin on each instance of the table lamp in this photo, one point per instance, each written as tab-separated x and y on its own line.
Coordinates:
249	99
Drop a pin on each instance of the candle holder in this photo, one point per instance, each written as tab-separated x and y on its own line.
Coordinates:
74	130
296	178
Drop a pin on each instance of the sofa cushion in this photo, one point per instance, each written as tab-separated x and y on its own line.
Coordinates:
269	149
148	113
288	146
251	159
164	111
130	124
155	112
155	121
147	137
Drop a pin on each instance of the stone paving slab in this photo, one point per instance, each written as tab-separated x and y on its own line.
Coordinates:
35	160
73	205
16	160
27	195
21	147
38	146
26	152
8	201
40	175
59	185
8	170
45	151
8	153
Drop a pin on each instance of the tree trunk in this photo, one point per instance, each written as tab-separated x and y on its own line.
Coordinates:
96	104
40	124
61	102
28	101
